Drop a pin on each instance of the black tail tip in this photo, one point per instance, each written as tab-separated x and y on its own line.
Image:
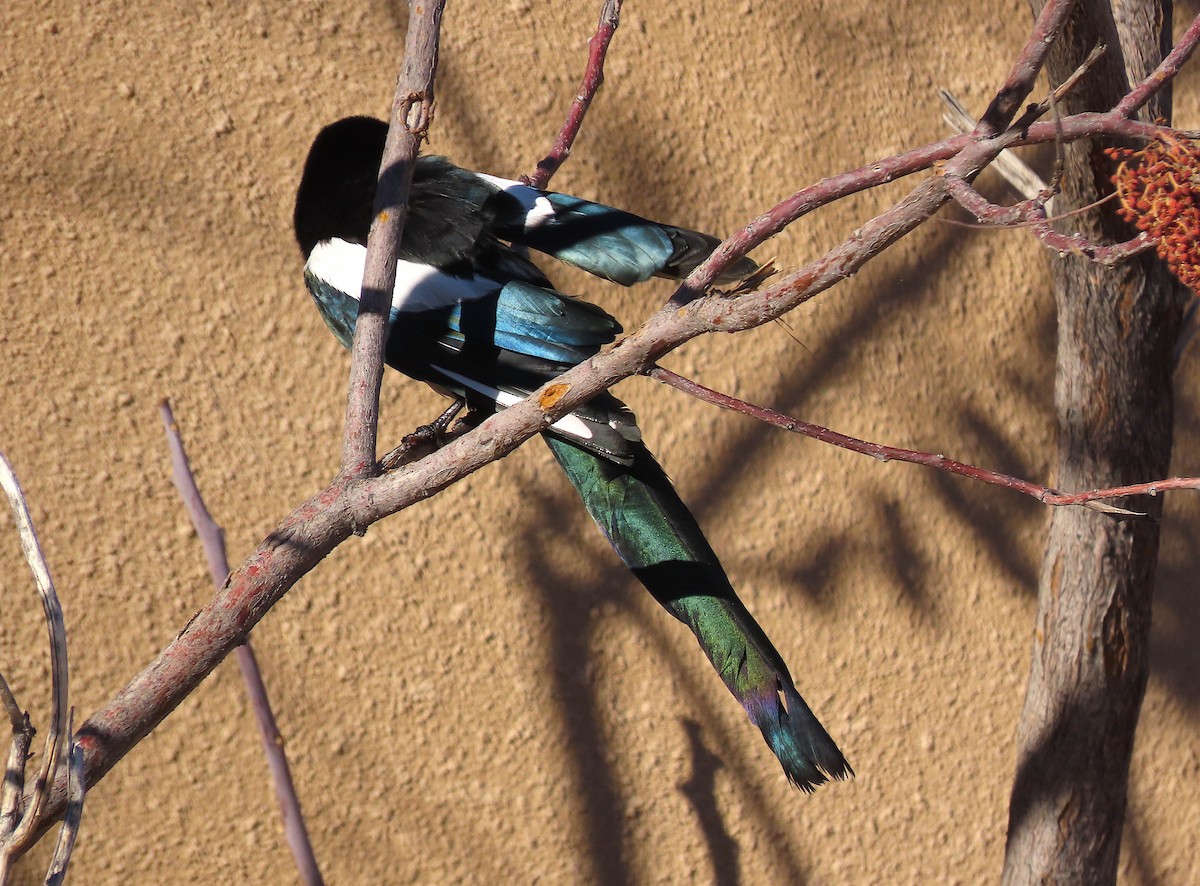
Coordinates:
808	755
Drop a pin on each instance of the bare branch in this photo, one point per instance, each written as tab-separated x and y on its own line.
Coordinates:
13	790
65	844
1025	69
59	732
1108	255
14	774
1093	499
1032	214
10	705
1163	74
1008	165
1026	182
1037	110
412	112
22	817
295	829
593	76
212	538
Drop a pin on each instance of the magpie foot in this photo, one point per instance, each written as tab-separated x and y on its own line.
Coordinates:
424	440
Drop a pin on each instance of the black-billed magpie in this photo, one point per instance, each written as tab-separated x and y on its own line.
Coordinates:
476	319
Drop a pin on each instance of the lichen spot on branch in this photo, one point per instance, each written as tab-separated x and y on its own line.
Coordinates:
552	395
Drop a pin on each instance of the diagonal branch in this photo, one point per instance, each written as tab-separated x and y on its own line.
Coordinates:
1094	499
1170	66
212	539
1025	69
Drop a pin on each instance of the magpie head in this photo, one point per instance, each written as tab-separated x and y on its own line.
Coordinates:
337	191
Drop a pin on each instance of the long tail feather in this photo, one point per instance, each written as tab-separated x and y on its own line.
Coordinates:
651	529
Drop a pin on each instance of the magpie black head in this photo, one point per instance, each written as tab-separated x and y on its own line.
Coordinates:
337	191
449	209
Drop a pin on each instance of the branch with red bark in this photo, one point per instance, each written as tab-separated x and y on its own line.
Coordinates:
593	77
360	495
212	540
1094	499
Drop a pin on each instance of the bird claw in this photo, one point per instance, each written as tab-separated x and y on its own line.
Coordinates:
425	439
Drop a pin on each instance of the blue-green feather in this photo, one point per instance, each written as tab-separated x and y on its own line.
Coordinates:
638	510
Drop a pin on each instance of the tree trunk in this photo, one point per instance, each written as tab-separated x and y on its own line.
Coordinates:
1116	333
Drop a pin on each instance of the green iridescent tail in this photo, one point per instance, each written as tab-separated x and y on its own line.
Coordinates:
638	510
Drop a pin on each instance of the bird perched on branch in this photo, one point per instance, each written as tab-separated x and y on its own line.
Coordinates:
474	318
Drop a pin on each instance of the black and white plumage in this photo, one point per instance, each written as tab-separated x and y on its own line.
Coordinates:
479	319
475	318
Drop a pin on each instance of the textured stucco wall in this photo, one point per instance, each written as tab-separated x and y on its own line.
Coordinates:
476	691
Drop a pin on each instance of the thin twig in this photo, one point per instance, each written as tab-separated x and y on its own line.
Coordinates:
1093	499
1035	111
593	77
15	716
1032	214
210	533
1107	256
56	874
212	538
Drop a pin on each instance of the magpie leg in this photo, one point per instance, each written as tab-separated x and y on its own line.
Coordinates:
424	440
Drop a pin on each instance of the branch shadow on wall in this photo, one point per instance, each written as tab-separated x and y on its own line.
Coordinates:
700	790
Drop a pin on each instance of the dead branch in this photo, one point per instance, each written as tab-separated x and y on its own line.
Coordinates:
56	874
20	815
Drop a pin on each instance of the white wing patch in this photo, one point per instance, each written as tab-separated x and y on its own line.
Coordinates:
538	209
568	424
418	287
422	287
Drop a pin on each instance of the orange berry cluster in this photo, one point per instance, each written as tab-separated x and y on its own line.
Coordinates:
1159	189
